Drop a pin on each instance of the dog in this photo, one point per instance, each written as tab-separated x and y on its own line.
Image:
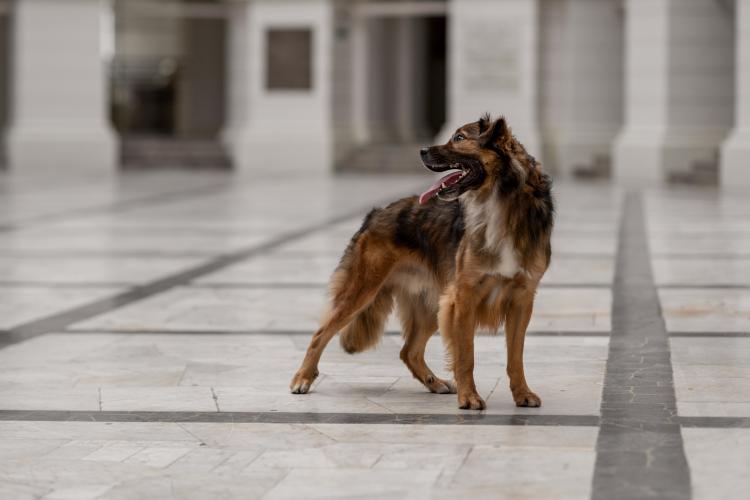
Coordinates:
468	253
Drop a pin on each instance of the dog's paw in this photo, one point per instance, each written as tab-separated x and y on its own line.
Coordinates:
440	386
528	399
472	401
301	382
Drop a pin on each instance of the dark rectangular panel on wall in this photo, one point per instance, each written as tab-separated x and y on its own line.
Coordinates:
289	59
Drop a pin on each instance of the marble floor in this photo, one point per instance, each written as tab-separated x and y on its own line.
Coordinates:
150	324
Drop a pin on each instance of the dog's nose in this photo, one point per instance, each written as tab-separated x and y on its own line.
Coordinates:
424	151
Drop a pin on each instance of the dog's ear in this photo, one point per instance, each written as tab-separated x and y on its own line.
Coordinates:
484	123
496	134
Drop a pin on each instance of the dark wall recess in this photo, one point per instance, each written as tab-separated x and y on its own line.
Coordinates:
289	59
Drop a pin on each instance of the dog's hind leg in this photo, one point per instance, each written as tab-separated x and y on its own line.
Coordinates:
419	322
355	287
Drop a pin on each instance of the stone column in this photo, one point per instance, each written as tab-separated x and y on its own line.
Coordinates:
492	65
734	170
59	81
4	64
637	154
678	88
360	83
581	82
275	128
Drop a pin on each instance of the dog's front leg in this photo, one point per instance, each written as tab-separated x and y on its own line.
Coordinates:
517	320
457	324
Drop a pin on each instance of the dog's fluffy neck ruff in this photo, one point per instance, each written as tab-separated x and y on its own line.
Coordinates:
485	219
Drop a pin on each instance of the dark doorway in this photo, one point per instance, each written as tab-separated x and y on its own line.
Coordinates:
168	84
437	70
406	91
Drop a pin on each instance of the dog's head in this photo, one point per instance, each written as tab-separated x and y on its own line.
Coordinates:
478	155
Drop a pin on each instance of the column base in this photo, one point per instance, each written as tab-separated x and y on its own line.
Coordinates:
284	152
637	156
734	169
38	150
565	151
646	155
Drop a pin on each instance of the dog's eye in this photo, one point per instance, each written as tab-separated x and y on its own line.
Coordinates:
458	138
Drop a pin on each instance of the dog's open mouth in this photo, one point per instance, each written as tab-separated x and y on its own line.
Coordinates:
445	185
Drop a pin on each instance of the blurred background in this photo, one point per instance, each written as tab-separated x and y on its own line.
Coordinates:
638	90
178	179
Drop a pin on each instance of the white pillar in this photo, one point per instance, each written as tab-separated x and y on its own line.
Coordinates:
3	80
581	82
492	65
279	130
637	154
360	89
59	99
734	171
678	97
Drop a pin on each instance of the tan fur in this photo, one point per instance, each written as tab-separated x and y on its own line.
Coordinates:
367	327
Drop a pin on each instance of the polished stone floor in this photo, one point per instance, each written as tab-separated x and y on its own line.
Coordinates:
150	324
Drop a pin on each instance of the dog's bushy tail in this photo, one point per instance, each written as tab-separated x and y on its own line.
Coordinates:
367	327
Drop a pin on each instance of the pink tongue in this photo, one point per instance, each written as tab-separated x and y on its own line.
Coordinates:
433	190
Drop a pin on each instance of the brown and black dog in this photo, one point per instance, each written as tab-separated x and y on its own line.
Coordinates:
467	253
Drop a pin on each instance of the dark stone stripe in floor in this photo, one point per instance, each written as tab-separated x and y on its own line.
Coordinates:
709	334
304	332
716	422
713	286
298	418
273	417
640	452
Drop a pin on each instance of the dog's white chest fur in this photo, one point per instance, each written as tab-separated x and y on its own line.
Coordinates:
509	266
488	216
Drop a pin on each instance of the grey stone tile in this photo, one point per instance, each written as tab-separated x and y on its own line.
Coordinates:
706	310
20	304
569	270
718	462
279	269
699	272
34	397
190	308
157	399
49	242
699	244
89	270
354	483
710	376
